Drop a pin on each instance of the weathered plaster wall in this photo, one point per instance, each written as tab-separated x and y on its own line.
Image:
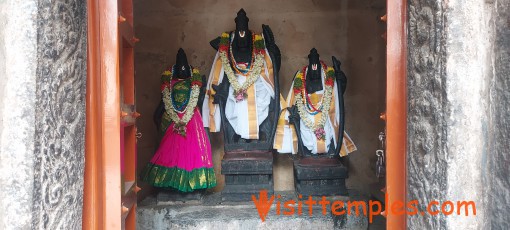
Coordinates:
42	111
467	117
458	111
350	30
18	55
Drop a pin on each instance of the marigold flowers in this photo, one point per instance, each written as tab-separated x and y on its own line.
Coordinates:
165	79
298	83
196	78
330	76
259	44
224	42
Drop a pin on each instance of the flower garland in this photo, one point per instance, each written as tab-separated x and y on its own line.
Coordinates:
305	105
258	51
166	91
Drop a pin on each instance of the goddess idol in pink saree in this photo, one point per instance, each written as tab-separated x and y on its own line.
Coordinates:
183	160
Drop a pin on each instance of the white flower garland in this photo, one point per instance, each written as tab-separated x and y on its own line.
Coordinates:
326	100
250	79
180	123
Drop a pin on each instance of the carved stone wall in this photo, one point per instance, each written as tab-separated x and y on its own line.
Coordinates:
458	126
496	173
42	111
427	158
60	114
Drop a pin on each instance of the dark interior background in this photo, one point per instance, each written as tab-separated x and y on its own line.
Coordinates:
348	29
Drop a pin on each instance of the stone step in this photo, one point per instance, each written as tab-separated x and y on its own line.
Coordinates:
241	215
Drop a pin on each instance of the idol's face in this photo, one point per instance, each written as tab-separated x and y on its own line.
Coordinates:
243	35
182	71
314	67
243	39
181	67
242	24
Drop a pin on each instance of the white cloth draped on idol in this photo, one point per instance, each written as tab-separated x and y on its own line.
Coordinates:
286	140
245	113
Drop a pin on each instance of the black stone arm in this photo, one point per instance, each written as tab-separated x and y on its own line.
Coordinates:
215	43
274	53
272	48
202	93
221	92
340	75
341	80
294	119
220	98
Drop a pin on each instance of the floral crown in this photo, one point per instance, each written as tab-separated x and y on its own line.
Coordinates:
166	78
299	82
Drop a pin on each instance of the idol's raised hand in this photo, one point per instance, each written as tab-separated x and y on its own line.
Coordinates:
340	75
221	92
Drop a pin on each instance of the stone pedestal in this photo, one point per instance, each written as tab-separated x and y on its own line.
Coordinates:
244	215
246	173
169	195
320	176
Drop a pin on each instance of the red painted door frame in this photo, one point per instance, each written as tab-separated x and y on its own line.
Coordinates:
396	110
108	203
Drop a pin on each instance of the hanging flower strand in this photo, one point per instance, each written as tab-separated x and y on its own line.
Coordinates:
240	91
166	90
306	107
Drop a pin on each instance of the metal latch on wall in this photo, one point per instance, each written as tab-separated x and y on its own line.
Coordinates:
381	157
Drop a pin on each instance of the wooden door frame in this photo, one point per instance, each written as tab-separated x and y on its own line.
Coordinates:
102	188
396	110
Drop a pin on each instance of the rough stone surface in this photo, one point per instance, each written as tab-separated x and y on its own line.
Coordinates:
60	112
496	172
467	116
427	163
18	46
244	215
458	109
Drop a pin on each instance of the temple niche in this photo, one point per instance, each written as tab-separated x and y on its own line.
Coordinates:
348	30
